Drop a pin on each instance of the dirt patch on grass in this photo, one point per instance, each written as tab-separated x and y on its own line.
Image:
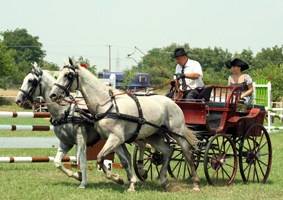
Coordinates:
9	96
8	92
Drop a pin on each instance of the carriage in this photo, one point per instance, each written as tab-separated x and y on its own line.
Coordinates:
230	133
227	129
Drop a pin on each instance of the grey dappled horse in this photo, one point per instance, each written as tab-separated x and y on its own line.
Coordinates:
39	83
157	109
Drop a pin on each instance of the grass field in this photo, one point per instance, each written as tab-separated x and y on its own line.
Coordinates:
44	181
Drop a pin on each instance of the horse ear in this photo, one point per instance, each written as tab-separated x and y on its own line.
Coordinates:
65	62
34	66
70	61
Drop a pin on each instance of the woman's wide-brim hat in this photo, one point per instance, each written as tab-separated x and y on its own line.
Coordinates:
237	62
179	52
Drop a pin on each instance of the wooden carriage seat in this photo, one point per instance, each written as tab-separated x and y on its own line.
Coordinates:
206	92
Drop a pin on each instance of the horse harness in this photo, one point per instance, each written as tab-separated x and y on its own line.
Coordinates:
65	118
115	115
34	84
84	118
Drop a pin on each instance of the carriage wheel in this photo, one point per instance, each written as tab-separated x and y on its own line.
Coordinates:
151	164
220	161
179	167
255	154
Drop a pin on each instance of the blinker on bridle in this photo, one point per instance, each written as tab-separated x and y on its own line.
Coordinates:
71	77
34	84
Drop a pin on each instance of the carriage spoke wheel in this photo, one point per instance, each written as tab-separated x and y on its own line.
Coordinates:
179	168
220	161
255	154
150	164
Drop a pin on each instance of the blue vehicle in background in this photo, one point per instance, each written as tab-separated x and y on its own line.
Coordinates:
141	80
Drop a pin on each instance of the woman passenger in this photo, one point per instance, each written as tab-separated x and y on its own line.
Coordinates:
241	79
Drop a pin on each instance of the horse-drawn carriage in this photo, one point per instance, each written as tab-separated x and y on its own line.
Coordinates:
228	130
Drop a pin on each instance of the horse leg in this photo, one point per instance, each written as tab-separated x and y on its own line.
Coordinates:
125	159
156	141
81	156
61	153
111	144
189	157
142	145
129	161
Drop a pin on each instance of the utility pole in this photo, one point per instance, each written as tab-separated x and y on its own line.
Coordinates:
109	57
117	62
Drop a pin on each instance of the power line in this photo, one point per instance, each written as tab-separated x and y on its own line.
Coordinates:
158	51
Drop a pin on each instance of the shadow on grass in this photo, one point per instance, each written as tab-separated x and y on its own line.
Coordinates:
112	186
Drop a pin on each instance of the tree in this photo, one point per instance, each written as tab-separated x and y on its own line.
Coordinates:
128	77
26	50
267	56
210	58
275	72
49	66
92	68
27	47
7	65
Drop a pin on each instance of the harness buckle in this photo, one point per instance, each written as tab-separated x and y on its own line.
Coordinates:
142	120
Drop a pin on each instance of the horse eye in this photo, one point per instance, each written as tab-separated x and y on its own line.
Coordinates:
30	81
66	75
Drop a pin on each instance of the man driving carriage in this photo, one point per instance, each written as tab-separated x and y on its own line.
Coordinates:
188	75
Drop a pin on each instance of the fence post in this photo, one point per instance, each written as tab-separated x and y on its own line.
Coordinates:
262	96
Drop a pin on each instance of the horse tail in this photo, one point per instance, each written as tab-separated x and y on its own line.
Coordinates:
191	137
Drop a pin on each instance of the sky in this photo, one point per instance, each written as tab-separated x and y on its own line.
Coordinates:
97	29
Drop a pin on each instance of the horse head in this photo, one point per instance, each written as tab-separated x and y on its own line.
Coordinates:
31	87
67	81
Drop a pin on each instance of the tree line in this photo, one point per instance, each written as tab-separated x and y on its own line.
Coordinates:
16	59
18	50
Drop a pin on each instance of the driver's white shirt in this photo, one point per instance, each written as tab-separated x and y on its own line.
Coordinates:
191	66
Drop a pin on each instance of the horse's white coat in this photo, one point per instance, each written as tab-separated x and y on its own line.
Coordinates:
156	109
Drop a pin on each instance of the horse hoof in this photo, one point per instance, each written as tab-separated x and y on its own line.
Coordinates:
80	187
80	176
144	176
165	185
120	181
131	190
196	189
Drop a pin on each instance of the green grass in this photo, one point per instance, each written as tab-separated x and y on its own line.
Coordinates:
44	181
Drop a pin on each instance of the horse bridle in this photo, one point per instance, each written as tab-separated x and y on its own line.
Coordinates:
34	84
71	77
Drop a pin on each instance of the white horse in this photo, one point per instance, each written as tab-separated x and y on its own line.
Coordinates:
39	83
157	110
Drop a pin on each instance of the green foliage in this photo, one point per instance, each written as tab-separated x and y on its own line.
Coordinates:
267	56
27	46
49	66
81	60
275	72
23	68
129	76
23	49
7	65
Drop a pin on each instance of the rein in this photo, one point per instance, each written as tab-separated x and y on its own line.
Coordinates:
140	120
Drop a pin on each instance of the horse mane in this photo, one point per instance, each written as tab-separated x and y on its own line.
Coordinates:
107	87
